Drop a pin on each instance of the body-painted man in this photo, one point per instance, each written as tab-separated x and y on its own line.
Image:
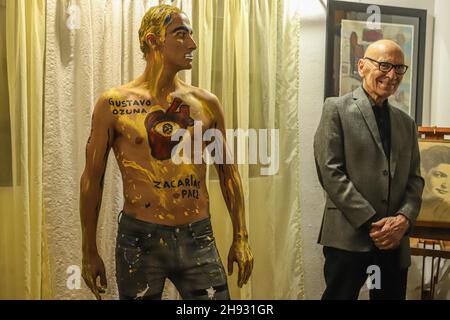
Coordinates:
164	229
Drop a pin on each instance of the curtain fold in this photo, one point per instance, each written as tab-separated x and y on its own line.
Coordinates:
249	57
24	270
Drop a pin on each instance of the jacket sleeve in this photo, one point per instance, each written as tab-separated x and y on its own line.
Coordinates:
413	195
330	164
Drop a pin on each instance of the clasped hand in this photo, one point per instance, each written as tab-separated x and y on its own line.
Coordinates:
388	232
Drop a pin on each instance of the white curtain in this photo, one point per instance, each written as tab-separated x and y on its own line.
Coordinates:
24	268
248	56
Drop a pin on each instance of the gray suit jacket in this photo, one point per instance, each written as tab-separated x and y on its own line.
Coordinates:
354	172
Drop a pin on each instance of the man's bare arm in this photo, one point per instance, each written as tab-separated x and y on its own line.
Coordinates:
91	190
231	186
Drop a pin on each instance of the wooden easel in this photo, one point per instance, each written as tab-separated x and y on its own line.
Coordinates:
436	238
434	133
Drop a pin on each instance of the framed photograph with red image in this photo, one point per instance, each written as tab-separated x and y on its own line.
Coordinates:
352	27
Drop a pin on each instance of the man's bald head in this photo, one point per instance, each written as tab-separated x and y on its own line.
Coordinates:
382	46
377	83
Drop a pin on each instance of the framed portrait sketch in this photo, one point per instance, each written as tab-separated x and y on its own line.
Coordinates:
352	27
435	170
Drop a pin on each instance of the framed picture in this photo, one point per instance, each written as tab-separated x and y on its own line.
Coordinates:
435	170
352	27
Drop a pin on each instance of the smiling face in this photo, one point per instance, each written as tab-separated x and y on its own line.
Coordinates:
378	84
438	181
178	47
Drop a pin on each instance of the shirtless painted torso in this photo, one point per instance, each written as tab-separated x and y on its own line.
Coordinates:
155	189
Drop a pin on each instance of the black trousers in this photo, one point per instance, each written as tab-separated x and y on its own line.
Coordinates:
346	272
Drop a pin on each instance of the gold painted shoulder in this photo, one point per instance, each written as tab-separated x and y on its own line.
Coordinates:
117	93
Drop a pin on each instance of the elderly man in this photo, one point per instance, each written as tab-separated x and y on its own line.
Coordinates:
368	162
164	229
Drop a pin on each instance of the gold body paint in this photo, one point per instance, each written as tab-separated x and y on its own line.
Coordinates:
125	119
146	180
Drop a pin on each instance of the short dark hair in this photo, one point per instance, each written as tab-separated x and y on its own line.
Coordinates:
434	156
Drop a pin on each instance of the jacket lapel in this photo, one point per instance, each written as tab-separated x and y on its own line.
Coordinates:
395	139
365	107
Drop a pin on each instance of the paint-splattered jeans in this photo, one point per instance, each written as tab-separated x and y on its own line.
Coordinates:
147	254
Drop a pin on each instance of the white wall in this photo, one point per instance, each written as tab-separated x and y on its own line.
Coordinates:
440	97
312	70
312	62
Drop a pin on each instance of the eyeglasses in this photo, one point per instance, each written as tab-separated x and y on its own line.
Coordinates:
386	66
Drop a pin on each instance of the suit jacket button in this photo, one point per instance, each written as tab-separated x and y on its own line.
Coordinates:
385	173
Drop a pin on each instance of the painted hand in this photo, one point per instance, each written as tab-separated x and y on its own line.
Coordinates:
388	232
241	253
93	268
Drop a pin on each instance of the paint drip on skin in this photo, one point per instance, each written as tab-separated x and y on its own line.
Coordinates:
171	217
141	294
137	123
230	188
136	199
156	71
150	178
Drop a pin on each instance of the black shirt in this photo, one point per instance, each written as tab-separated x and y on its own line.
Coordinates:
384	124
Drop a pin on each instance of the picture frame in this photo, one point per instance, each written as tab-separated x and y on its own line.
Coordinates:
352	27
429	223
435	170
